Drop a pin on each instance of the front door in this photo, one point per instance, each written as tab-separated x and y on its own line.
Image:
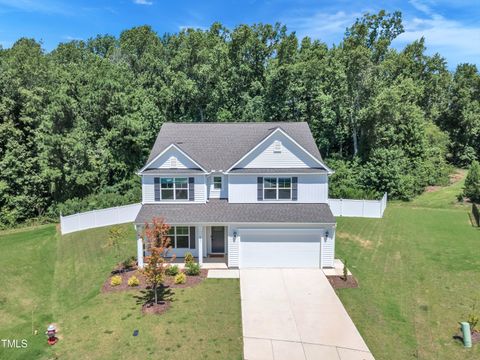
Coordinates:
218	239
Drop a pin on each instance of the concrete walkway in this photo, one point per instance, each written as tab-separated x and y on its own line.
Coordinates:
295	314
223	274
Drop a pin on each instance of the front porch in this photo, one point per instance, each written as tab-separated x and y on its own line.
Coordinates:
207	243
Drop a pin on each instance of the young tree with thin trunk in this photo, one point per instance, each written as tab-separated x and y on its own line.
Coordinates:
158	243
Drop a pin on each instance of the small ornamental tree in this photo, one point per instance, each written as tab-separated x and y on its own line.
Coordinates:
158	243
471	188
115	235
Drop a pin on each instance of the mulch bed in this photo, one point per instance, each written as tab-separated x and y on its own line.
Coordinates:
149	307
476	337
338	282
169	281
191	280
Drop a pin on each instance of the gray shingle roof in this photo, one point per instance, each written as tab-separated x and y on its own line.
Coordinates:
221	211
217	146
171	171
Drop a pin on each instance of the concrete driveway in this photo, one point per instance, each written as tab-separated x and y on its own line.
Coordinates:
295	314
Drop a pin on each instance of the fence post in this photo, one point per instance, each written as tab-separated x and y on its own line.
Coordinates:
363	208
341	207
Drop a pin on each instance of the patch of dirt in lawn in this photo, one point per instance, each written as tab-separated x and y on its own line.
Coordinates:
156	309
338	282
457	176
168	283
452	179
367	244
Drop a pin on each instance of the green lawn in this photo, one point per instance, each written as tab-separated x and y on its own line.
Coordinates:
48	278
419	274
418	269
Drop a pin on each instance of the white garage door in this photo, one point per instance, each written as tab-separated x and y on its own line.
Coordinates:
288	248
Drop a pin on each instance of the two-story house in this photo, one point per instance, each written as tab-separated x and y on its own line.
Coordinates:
254	193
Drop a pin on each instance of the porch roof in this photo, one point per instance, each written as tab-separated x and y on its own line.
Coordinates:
277	170
221	211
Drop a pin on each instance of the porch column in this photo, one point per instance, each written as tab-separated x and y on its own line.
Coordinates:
200	245
140	252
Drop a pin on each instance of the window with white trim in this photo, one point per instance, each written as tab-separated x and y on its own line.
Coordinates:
174	188
217	182
277	188
179	237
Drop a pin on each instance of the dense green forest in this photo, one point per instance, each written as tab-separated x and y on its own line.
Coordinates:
77	122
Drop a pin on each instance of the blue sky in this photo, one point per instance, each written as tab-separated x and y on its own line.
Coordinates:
450	28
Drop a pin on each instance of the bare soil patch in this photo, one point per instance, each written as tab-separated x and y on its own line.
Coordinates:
456	176
452	179
430	189
338	282
156	309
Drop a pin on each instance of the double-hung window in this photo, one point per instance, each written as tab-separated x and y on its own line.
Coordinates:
174	188
179	237
277	188
217	182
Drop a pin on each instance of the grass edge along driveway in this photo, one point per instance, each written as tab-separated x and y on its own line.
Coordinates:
419	275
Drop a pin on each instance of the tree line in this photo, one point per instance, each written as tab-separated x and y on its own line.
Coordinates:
78	121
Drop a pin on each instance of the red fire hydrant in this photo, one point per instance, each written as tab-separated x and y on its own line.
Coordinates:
51	333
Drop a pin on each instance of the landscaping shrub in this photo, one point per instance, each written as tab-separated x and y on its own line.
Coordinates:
192	269
180	278
133	281
189	258
345	270
129	263
476	214
116	280
471	188
172	270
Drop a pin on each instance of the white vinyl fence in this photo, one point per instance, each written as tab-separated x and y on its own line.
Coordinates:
358	208
99	218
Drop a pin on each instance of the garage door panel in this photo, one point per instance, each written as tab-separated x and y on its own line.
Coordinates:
289	249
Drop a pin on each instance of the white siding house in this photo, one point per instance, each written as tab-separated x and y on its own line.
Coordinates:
255	194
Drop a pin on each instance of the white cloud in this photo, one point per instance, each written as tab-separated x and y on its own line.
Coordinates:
422	6
196	27
322	25
452	39
71	38
143	2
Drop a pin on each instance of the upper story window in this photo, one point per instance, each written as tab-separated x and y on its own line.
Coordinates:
277	188
217	182
179	237
174	188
